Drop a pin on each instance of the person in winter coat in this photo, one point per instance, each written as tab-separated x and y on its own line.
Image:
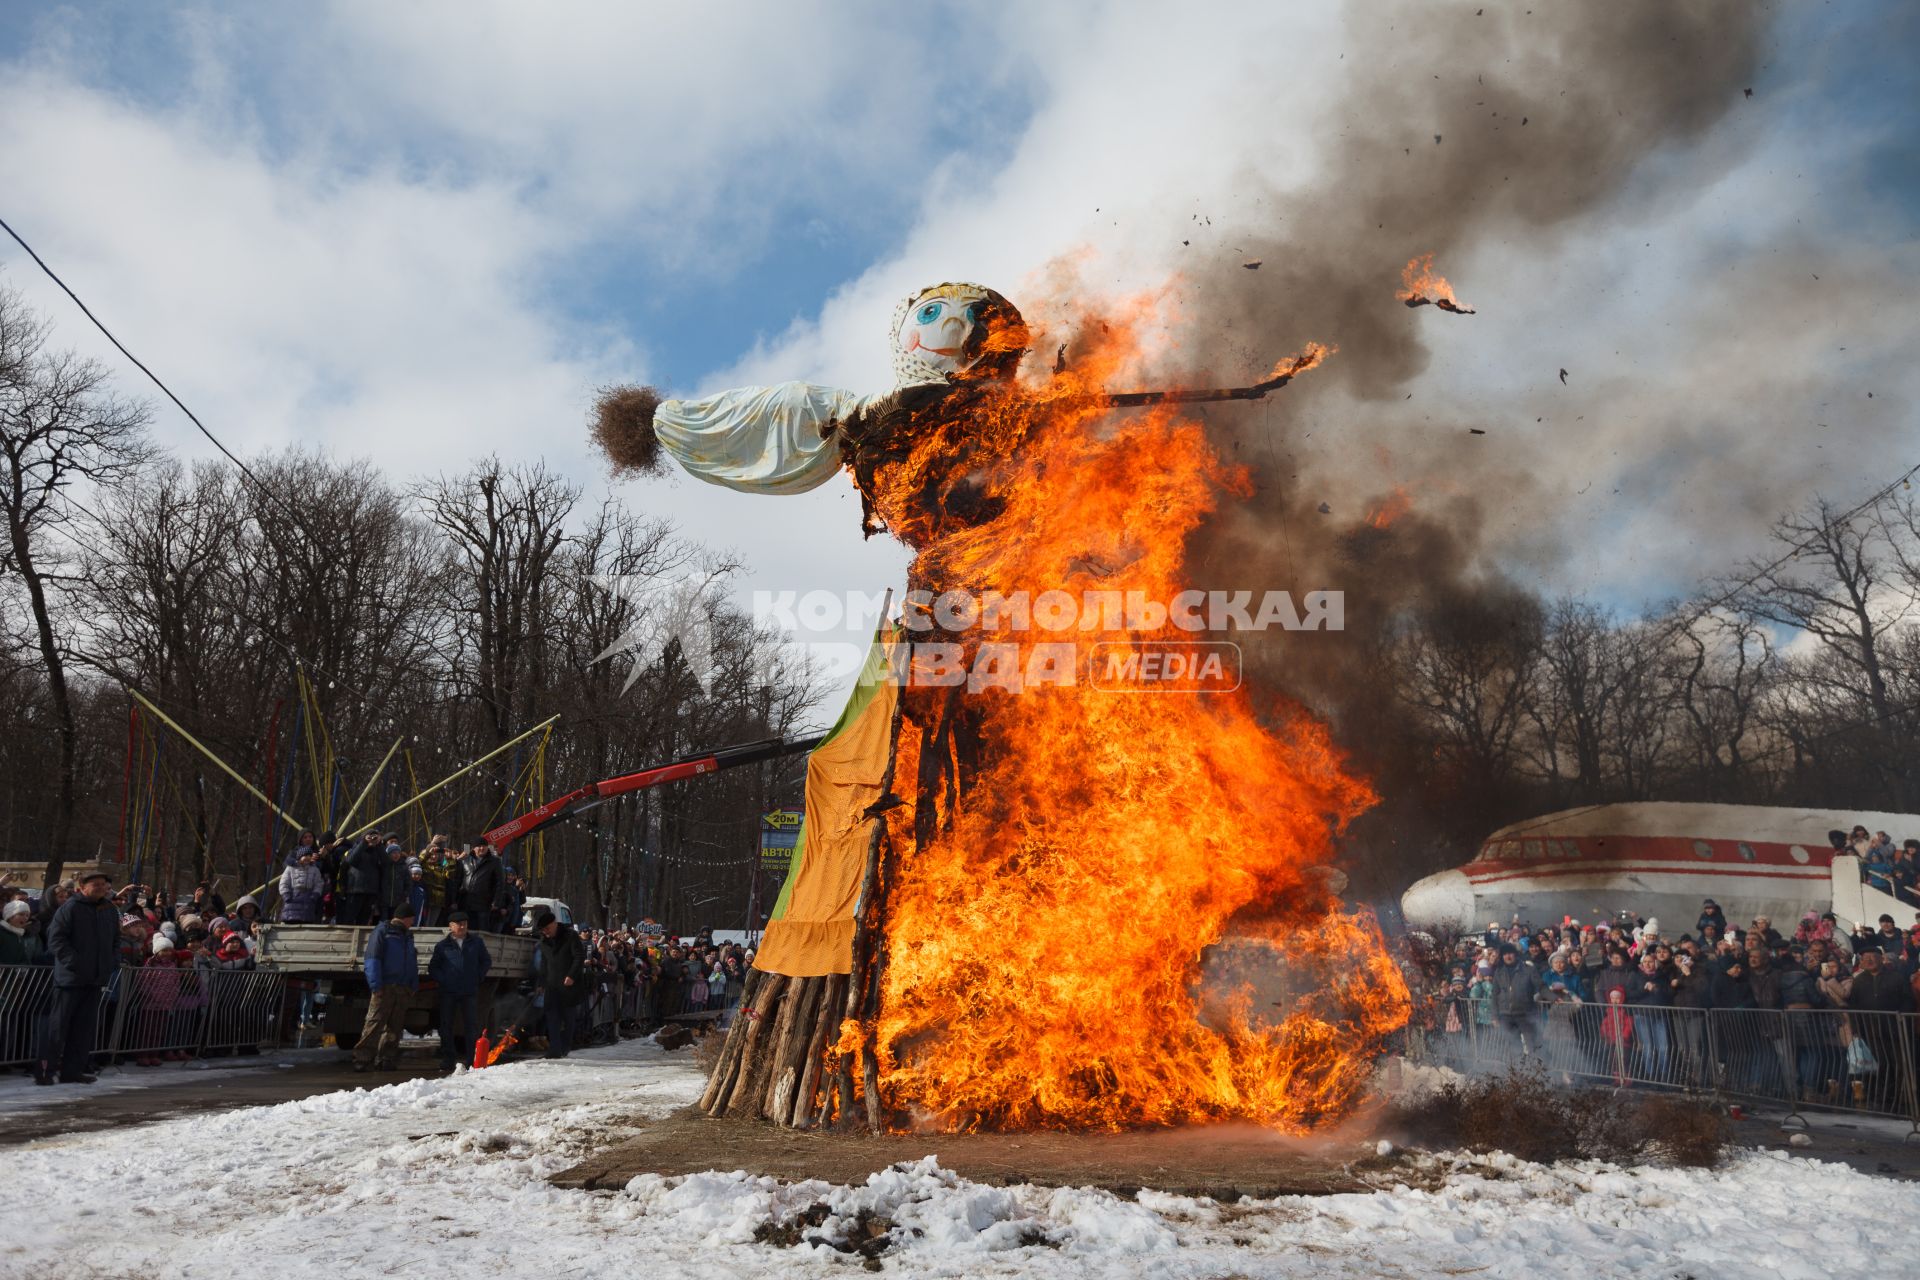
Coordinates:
207	902
1710	914
232	954
361	875
305	847
1692	997
435	875
1562	976
1615	977
393	975
1515	987
1616	1034
1651	993
396	881
516	901
246	914
84	939
483	888
303	890
416	903
1480	992
330	860
563	963
1878	991
18	943
159	998
458	966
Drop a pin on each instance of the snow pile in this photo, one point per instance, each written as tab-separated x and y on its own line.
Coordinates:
1399	1080
1496	1214
916	1208
398	1180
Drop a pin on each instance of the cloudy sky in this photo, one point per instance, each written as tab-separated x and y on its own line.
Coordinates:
426	231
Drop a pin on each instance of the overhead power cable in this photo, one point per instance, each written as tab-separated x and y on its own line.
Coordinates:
153	377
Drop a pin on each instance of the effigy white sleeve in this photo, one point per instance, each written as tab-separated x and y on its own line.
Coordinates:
758	439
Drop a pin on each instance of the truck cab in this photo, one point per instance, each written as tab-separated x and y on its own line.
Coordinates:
561	912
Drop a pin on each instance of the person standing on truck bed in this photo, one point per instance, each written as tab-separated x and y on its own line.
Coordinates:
328	859
360	880
305	847
303	890
393	975
483	888
459	965
396	880
516	901
563	976
434	876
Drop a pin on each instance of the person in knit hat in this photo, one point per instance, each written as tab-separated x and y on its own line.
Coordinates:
18	944
159	1027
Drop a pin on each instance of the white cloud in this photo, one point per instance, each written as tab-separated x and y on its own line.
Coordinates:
344	233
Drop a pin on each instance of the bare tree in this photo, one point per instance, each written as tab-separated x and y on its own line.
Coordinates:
1720	665
506	526
60	427
1572	698
1468	665
1840	585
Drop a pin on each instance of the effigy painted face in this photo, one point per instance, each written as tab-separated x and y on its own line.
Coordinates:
948	329
938	324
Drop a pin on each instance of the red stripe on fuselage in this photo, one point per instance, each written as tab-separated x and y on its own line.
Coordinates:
1551	870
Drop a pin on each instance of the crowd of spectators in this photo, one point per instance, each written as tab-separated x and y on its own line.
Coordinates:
1889	867
328	880
624	979
89	935
1629	998
630	978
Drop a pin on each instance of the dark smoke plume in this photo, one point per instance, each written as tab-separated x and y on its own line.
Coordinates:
1460	128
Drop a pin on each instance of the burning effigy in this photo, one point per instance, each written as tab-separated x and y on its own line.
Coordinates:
1008	873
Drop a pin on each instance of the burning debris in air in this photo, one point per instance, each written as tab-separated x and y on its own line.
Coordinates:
1420	287
1383	513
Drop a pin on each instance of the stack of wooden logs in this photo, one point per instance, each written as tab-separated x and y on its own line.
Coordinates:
774	1058
783	1059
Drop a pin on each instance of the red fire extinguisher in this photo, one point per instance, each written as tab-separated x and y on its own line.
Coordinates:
480	1050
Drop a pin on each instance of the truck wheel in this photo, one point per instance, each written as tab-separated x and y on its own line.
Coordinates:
346	1020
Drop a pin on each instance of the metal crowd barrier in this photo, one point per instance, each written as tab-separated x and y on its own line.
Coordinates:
149	1011
26	992
1828	1059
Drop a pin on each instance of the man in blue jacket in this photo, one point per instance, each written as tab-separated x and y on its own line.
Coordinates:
459	965
84	939
393	975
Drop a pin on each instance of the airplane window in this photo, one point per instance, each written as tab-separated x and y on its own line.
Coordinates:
1797	853
1746	851
1534	850
1568	849
1702	849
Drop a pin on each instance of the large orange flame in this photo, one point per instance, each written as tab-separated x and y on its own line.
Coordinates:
1042	951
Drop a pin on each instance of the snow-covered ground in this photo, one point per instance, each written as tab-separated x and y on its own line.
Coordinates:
426	1176
19	1094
